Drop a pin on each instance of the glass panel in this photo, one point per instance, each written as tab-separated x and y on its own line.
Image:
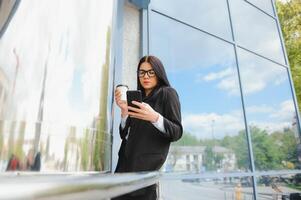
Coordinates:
270	112
256	31
284	187
203	71
265	5
54	72
202	14
6	11
226	188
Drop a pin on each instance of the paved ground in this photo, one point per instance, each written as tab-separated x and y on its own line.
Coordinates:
178	190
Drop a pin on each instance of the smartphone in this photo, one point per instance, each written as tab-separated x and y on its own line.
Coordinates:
133	95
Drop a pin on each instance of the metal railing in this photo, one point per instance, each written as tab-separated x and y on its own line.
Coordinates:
79	185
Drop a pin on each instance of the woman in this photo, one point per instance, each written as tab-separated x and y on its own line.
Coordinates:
147	132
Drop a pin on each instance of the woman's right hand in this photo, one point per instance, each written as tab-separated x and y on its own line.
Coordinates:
121	103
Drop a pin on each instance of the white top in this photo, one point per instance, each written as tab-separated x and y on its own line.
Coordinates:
159	124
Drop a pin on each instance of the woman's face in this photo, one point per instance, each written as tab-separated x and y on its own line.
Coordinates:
147	77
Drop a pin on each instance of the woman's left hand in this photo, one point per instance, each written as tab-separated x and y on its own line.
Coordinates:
144	112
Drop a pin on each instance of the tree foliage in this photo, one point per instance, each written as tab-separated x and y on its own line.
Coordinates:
289	14
271	151
187	140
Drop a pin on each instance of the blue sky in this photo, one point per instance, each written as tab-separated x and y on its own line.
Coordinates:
203	70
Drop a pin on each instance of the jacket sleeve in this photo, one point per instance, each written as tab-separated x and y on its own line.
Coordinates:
172	115
124	131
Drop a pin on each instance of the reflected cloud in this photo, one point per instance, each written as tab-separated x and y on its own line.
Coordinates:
256	30
251	65
227	80
188	9
284	111
208	125
218	75
259	109
265	5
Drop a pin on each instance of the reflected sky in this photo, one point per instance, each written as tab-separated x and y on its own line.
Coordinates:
214	17
203	70
55	59
67	38
268	97
256	30
265	5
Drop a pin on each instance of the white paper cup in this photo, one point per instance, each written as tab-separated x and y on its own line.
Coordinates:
122	88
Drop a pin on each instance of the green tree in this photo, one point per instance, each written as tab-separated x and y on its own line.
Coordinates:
265	149
85	150
289	14
100	155
238	144
187	140
209	161
287	144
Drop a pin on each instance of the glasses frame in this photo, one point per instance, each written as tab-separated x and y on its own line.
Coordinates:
146	72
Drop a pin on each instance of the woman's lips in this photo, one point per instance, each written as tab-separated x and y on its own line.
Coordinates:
146	82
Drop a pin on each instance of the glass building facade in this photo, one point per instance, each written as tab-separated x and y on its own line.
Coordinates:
241	133
54	86
60	60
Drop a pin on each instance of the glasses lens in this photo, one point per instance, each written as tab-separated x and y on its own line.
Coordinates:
151	73
141	73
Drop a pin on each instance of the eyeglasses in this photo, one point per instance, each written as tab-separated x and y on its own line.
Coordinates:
150	73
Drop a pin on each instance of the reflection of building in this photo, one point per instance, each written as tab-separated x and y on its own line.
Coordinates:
191	158
62	83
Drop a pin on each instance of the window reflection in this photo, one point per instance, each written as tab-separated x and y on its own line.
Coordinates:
265	5
279	187
256	30
209	188
270	112
203	71
54	73
214	16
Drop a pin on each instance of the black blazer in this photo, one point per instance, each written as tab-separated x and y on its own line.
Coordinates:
146	147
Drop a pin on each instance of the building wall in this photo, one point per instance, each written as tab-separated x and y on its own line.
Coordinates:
54	70
131	44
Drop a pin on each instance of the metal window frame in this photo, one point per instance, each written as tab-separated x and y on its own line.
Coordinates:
288	70
116	75
146	45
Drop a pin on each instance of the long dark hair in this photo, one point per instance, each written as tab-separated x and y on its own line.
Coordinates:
159	71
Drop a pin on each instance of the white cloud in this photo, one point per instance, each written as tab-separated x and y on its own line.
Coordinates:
271	126
259	109
270	118
218	75
258	73
227	80
284	112
208	125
